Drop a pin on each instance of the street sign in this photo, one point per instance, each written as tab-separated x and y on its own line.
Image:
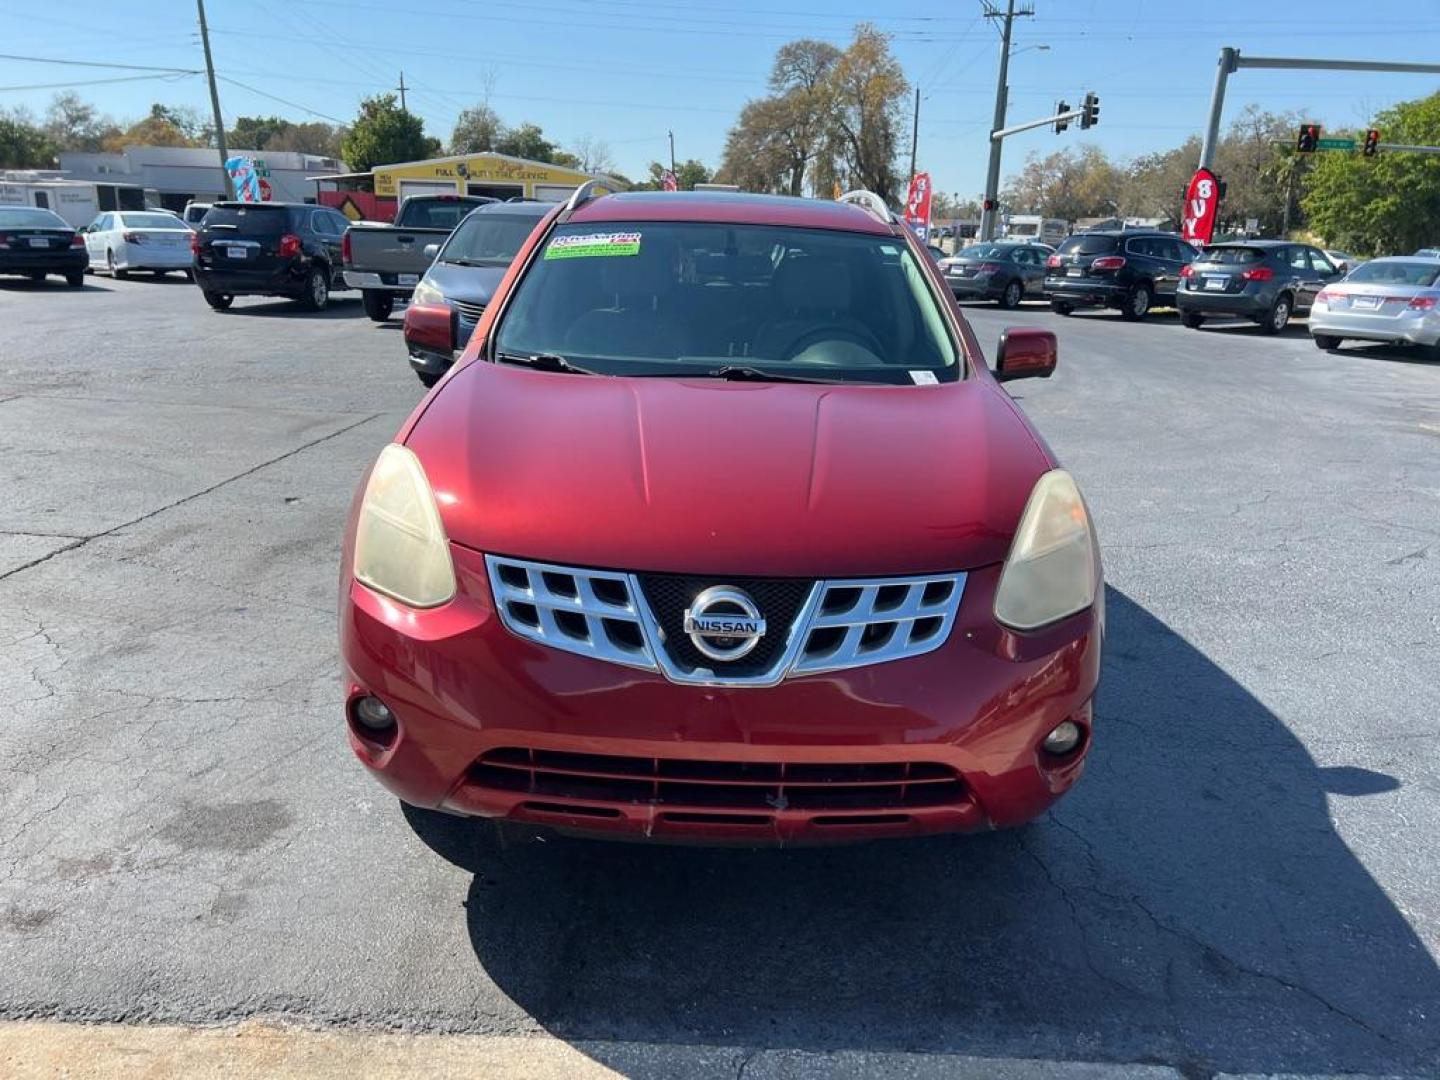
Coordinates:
1336	144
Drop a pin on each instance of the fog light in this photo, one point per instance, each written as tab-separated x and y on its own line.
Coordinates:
1062	740
374	715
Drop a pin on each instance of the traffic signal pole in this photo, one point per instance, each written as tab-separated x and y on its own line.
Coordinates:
989	209
1231	61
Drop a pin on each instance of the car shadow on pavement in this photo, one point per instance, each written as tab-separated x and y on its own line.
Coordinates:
49	285
339	308
1189	903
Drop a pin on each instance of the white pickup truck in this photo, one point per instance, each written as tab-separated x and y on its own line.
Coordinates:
385	262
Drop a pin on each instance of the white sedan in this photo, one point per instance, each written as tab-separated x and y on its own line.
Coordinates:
123	240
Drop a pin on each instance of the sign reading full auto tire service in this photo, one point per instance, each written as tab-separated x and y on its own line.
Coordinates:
1202	203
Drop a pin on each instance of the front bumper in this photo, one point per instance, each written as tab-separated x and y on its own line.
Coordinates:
1246	304
1084	291
463	687
1420	328
54	261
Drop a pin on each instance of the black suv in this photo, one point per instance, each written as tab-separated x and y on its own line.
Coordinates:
269	249
1132	270
1266	281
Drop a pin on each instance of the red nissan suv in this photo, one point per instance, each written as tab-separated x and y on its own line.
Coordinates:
721	529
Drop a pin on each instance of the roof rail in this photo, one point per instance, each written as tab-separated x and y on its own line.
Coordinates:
869	202
584	193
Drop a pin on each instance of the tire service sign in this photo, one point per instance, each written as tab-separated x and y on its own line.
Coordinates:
1202	203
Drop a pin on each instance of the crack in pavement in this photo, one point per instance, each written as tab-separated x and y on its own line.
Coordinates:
189	498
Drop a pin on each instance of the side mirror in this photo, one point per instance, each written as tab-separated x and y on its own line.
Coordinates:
431	250
1026	354
430	328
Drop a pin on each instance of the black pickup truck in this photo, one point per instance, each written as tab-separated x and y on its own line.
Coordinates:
386	261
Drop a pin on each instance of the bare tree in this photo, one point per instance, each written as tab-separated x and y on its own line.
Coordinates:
593	153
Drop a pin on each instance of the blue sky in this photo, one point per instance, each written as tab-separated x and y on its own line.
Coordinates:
628	71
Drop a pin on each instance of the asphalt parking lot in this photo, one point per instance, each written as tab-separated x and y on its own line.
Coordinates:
1246	880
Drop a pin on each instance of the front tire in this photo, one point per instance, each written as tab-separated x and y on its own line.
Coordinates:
1137	303
219	301
378	305
1010	296
1062	308
317	290
1192	319
1327	342
1278	317
426	379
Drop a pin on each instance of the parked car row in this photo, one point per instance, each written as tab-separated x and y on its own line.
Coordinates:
1266	281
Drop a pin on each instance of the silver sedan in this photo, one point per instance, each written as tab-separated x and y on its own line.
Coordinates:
1394	300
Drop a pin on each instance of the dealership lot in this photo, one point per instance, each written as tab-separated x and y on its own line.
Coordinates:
1245	880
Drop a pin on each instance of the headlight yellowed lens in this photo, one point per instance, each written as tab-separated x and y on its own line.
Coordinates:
1052	570
400	544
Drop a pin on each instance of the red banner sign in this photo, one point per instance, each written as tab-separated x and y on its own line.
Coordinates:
917	205
1202	204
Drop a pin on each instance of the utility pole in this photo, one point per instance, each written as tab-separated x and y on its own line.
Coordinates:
915	133
403	107
1002	92
215	102
672	154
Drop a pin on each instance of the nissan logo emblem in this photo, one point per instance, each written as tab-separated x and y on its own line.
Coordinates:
724	623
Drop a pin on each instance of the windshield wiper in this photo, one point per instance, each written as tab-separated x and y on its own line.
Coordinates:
742	373
544	362
470	262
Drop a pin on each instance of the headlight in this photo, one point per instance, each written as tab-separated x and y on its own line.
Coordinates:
400	545
427	293
1052	570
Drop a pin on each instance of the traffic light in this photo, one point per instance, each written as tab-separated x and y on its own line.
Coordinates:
1308	141
989	204
1091	106
1061	125
1372	143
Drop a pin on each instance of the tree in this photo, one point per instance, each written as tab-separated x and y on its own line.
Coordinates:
1388	203
255	132
164	126
477	129
24	145
593	154
74	124
384	133
318	138
868	91
525	141
1067	184
761	153
1154	184
687	175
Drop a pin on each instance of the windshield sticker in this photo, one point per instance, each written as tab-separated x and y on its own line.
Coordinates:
888	250
592	245
924	378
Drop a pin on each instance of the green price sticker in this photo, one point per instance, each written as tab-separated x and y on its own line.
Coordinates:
593	245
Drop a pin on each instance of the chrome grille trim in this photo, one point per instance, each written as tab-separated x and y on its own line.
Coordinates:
556	611
865	632
885	619
468	310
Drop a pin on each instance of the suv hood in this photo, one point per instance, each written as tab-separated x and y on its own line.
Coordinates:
705	476
468	284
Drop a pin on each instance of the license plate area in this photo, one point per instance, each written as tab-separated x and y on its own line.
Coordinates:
1216	284
1074	271
1365	303
39	242
237	253
408	279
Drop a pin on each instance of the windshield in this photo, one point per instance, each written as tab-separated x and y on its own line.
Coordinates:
1397	272
32	219
672	297
1232	256
1025	229
491	239
985	251
151	221
1094	244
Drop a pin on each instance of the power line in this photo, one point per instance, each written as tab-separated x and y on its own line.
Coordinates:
93	82
99	64
282	101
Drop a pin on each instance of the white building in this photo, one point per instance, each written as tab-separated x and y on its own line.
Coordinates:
182	173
